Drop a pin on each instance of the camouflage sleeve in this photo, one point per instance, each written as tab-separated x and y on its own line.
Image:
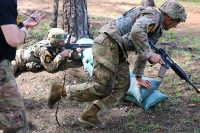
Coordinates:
139	37
48	62
139	65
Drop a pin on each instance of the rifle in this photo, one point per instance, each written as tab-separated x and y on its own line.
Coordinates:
72	46
169	63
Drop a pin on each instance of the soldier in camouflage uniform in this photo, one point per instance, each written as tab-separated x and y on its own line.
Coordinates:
111	78
45	53
12	33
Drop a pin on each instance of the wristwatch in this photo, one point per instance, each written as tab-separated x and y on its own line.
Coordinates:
20	25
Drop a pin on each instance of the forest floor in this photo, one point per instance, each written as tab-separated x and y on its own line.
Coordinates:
179	113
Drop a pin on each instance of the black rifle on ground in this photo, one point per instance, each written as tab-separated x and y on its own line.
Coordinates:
169	63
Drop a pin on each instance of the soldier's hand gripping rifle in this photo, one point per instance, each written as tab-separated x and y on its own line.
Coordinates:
169	63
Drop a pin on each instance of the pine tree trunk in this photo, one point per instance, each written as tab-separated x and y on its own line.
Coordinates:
53	23
75	18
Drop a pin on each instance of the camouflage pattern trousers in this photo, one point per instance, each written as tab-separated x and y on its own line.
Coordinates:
12	111
110	79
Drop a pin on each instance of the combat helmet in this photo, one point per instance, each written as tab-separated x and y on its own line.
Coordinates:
175	10
55	35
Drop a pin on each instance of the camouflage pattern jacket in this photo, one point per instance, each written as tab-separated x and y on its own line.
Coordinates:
132	31
39	54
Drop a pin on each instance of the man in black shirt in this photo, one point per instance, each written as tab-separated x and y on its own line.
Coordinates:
12	32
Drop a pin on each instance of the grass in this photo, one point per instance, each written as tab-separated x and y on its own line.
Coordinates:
159	107
36	34
145	127
148	127
195	99
40	32
132	114
173	101
169	35
195	44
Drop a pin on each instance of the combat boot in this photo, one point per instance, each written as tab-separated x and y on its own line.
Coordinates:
89	116
57	92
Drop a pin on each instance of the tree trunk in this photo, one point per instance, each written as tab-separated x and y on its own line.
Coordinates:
75	18
147	3
53	23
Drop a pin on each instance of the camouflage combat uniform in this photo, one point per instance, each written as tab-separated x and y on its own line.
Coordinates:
12	110
110	79
42	54
111	71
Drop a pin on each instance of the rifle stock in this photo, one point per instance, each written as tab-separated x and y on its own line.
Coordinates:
169	63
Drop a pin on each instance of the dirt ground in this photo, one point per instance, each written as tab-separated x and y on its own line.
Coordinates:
171	116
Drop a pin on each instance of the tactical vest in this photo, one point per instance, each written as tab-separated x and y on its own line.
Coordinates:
125	22
120	28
